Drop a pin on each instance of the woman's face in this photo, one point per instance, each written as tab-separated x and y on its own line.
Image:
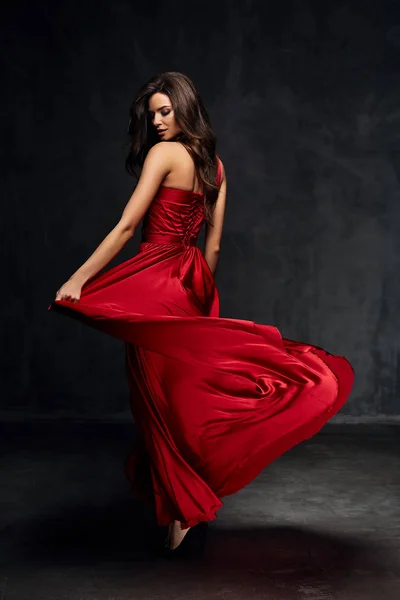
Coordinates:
162	116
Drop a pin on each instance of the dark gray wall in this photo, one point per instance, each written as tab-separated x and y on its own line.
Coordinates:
304	99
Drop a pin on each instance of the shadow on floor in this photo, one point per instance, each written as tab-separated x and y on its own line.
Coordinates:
121	532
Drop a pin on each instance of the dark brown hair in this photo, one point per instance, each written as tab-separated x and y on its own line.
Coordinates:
193	120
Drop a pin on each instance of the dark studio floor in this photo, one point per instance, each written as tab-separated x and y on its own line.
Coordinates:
322	522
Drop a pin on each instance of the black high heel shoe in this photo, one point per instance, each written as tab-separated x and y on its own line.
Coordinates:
192	546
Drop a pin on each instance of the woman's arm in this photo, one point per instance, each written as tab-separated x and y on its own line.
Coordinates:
213	233
156	166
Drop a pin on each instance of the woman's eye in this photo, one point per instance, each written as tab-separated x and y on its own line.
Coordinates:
165	114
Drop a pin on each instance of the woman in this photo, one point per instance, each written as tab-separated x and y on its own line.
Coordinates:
215	400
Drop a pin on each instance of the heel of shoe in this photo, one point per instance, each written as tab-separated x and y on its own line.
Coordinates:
193	544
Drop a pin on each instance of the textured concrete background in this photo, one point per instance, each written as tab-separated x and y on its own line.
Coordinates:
304	99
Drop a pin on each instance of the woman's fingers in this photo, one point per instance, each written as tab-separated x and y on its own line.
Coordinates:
70	292
67	297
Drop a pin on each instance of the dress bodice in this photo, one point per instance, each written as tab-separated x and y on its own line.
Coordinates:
174	213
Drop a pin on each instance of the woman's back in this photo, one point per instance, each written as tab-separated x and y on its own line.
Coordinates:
183	174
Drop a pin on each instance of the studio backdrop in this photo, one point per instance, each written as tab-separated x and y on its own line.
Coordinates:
304	99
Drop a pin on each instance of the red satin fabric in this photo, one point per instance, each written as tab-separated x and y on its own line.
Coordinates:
215	400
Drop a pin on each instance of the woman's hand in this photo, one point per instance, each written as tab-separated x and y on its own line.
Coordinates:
71	291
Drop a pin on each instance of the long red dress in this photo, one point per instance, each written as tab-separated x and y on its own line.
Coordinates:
215	400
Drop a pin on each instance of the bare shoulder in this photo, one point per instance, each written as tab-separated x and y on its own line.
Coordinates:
159	155
171	152
178	150
159	149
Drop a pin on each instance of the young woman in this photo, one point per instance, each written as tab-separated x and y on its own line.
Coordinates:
215	400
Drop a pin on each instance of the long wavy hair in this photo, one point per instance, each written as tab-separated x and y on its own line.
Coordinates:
196	133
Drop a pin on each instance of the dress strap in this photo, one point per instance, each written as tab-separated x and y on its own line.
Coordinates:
219	171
